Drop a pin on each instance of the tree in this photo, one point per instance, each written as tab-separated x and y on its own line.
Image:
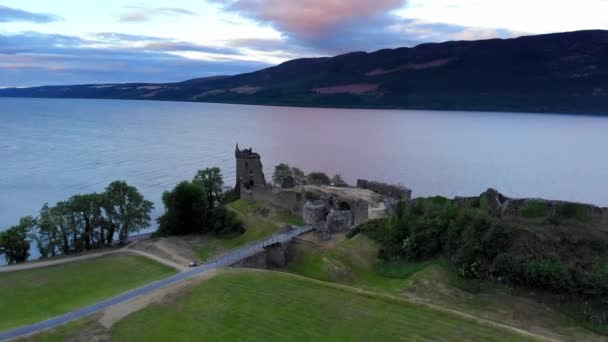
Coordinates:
47	235
213	183
338	181
318	178
186	210
65	221
298	175
127	210
89	210
14	242
282	173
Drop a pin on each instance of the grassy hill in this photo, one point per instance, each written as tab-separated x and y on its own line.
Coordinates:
353	262
260	220
267	306
561	72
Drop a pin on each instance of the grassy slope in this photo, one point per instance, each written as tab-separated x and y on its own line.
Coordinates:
269	306
257	227
34	295
353	262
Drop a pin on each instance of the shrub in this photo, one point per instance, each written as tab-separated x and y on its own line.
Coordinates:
573	211
534	209
318	178
549	274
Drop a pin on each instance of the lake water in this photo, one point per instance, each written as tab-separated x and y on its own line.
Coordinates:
51	149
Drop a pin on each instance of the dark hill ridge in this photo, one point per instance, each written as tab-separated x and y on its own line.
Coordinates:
561	72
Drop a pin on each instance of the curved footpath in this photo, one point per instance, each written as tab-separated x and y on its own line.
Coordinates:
227	259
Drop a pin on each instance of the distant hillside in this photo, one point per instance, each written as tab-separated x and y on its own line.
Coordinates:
561	72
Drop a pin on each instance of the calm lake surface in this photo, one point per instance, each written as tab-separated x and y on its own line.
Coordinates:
52	149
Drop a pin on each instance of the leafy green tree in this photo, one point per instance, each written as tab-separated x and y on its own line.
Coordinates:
318	178
396	233
89	210
126	209
47	235
14	242
338	181
66	224
299	178
213	183
186	210
282	173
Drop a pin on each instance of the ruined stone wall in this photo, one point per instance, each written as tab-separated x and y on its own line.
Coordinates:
249	169
360	212
288	199
397	192
503	206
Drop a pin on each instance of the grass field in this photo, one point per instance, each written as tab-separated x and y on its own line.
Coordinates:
33	295
353	262
261	306
257	227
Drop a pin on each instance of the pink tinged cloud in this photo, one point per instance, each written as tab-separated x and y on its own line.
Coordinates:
312	18
145	14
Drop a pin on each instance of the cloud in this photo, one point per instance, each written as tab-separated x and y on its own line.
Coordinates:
32	58
174	46
116	37
329	27
8	14
310	18
139	14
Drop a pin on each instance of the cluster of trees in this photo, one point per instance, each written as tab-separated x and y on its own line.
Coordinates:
285	176
481	245
196	206
82	222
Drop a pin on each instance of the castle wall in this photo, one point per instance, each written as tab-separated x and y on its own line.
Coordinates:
397	192
290	200
249	169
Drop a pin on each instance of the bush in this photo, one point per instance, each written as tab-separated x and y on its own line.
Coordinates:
573	211
318	178
338	181
534	209
549	274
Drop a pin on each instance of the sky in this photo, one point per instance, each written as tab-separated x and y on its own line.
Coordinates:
110	41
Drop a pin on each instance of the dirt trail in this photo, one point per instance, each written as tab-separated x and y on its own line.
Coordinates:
179	267
39	264
166	248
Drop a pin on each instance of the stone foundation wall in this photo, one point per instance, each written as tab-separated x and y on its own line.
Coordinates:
274	256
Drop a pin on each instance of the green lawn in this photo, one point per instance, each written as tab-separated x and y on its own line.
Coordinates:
260	306
353	262
257	227
33	295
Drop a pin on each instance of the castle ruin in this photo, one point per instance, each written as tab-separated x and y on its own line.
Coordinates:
329	209
249	170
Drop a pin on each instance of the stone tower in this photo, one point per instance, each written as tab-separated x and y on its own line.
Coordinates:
249	171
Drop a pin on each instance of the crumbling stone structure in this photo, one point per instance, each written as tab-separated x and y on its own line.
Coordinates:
392	194
249	170
328	209
502	206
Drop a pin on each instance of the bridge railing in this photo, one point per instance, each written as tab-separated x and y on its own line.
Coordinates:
250	248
